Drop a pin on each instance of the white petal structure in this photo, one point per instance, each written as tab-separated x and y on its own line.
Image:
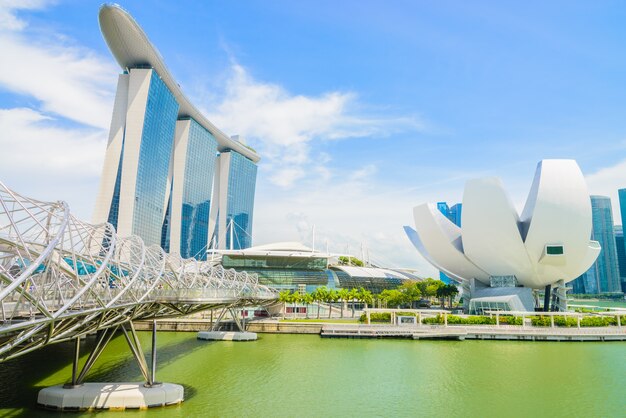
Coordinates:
547	243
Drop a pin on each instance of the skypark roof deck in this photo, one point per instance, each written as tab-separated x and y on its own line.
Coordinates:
131	48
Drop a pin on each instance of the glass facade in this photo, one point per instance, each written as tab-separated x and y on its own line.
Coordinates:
373	284
309	273
154	159
479	307
621	246
241	185
301	263
455	214
602	276
622	204
198	184
114	211
621	255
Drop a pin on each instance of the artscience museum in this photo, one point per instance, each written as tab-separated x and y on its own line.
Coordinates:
502	258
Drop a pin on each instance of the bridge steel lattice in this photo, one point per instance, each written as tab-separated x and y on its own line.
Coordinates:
62	278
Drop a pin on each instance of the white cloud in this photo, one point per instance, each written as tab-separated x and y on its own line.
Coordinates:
283	125
48	161
43	154
8	19
346	212
606	182
66	79
51	160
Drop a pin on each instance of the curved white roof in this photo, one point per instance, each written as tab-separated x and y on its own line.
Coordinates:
131	48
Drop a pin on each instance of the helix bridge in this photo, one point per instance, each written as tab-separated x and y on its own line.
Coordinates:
62	278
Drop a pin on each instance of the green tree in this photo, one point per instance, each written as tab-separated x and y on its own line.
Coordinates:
294	298
320	295
343	295
331	297
365	296
353	295
452	292
350	261
284	297
308	299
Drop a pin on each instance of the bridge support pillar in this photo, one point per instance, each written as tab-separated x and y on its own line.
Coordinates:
118	396
214	335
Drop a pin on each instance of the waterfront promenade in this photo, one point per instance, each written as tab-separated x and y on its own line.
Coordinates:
351	329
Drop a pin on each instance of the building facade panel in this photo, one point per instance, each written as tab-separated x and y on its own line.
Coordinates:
620	248
154	160
109	182
606	264
196	186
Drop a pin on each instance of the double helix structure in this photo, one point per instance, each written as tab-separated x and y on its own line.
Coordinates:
62	278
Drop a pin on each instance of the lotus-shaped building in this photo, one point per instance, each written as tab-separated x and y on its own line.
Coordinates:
499	255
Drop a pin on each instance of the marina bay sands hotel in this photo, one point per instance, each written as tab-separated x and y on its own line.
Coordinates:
170	176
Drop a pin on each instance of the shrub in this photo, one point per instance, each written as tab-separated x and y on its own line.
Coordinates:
471	320
376	317
433	320
598	321
540	321
510	320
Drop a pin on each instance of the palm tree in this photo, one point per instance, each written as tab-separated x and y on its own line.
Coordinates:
308	299
343	295
452	292
320	295
284	297
365	296
294	298
331	297
353	295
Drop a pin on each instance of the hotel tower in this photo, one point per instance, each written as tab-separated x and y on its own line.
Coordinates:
170	176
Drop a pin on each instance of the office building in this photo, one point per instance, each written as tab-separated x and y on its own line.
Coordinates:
603	275
620	249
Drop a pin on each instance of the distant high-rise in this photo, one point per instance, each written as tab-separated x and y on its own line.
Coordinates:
622	205
620	248
454	215
603	275
621	245
170	176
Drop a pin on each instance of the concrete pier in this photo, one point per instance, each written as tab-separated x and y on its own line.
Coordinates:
227	336
478	332
111	396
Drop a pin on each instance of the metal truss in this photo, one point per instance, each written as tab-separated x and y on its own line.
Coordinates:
61	278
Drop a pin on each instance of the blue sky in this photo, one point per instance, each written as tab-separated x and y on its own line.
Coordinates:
360	110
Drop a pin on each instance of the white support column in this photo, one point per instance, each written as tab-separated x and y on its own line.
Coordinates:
138	88
215	204
223	198
113	152
177	176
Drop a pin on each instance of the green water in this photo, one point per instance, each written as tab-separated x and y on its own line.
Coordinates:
305	375
599	303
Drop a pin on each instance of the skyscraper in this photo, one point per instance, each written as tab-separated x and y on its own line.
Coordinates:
622	204
164	159
603	276
454	215
620	248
